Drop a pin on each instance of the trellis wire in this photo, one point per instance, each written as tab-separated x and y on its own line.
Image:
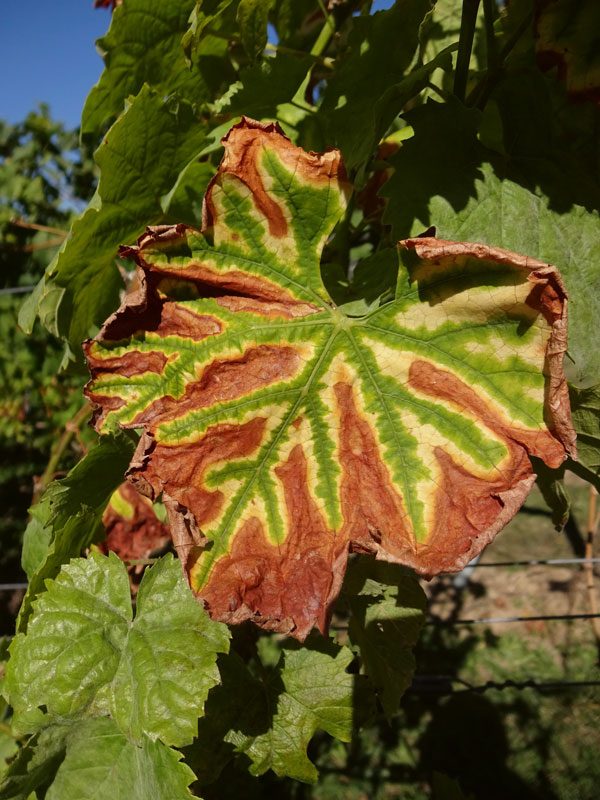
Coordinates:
489	620
551	562
443	684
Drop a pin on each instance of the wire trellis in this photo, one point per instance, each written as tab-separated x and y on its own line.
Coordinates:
444	684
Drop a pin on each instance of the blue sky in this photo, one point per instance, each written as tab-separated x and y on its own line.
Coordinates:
47	53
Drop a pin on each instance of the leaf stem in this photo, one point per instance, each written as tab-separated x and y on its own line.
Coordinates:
465	45
480	93
71	429
327	16
21	223
278	48
489	8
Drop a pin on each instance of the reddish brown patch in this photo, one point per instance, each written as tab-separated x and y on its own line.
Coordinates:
136	538
131	363
176	320
266	308
225	380
289	588
179	470
372	509
438	383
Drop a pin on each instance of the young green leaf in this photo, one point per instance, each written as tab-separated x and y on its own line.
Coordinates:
91	759
252	17
370	85
283	434
84	654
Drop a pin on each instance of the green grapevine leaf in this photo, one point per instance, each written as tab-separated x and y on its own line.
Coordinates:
586	419
387	612
252	17
36	765
92	759
68	518
84	654
482	196
140	159
143	45
283	434
551	484
269	83
370	86
272	718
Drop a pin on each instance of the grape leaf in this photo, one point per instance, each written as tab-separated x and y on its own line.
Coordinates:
84	654
68	518
387	612
143	45
272	718
252	17
132	528
370	85
140	159
283	434
586	418
92	758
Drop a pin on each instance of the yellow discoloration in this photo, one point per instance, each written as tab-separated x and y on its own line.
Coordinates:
396	365
467	308
121	506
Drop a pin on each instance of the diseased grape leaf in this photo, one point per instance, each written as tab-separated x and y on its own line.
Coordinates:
84	654
139	167
387	612
132	528
283	434
271	717
93	756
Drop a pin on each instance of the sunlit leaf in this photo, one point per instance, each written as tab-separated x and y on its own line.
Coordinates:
140	158
283	434
85	653
272	718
